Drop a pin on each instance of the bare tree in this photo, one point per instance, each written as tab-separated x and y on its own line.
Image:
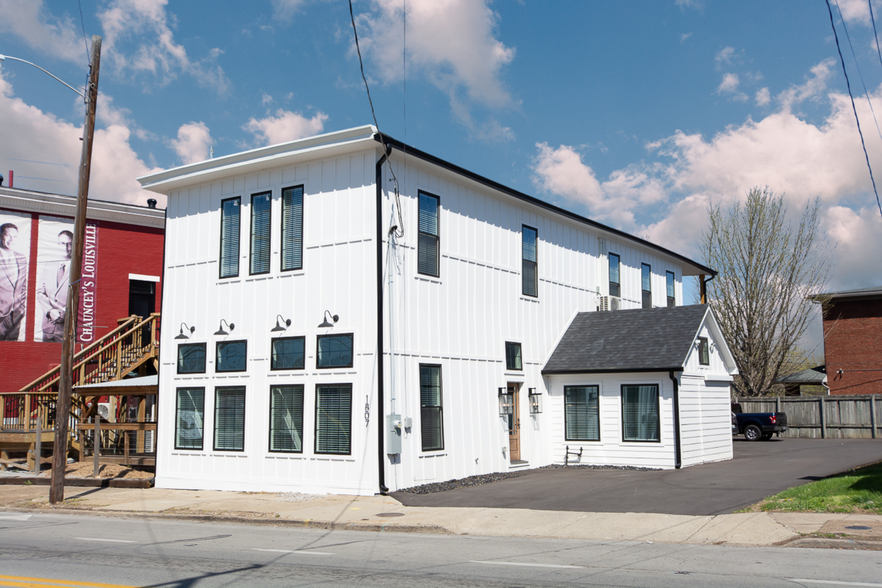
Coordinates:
767	266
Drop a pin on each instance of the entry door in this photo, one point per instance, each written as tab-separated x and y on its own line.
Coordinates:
142	298
514	423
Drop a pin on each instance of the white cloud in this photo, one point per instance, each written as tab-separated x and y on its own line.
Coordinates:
725	56
813	88
193	142
449	42
138	38
286	9
690	3
855	11
29	20
57	144
763	97
729	86
858	234
285	126
685	36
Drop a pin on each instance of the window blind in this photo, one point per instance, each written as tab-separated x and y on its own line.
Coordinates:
513	356
640	417
286	418
431	425
229	250
428	241
261	210
530	279
333	419
189	417
582	413
292	228
229	419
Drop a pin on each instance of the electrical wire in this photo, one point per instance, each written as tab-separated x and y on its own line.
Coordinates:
857	65
875	34
85	42
853	108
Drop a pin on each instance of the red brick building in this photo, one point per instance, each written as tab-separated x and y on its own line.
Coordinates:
122	269
853	341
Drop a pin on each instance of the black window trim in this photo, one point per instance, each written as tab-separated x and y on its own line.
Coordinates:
672	300
437	237
315	429
220	257
643	292
618	284
177	408
335	367
217	354
272	342
302	187
178	358
658	398
214	417
599	432
440	405
269	441
269	245
535	263
521	348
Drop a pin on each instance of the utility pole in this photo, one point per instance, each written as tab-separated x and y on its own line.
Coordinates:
65	383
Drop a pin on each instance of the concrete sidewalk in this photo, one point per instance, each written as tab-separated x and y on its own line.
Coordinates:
384	513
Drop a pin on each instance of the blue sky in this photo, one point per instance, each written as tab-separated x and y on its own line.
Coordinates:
636	114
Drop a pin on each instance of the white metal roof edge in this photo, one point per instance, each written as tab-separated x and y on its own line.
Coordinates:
124	383
339	141
62	205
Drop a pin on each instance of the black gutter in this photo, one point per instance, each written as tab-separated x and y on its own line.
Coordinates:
677	451
381	403
388	141
613	370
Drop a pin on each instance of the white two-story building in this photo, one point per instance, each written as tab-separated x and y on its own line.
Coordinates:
346	313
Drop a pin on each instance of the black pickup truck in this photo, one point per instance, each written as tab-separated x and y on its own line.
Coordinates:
757	425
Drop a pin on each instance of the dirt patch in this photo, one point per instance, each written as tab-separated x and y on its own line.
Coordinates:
110	470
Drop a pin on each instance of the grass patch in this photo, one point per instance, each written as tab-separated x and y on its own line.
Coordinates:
855	491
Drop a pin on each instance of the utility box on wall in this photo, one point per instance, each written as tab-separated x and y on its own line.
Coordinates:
393	434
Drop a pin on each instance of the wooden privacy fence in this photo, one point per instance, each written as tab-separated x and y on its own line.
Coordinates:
822	417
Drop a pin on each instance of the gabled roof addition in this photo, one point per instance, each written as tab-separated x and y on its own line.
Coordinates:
652	339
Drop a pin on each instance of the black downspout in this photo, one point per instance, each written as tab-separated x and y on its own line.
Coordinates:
677	458
381	402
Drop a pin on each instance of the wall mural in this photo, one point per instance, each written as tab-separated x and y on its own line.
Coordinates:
15	252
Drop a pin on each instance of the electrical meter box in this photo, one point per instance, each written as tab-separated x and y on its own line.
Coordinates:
393	434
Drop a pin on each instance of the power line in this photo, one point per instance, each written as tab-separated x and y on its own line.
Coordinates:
850	95
85	41
858	66
875	34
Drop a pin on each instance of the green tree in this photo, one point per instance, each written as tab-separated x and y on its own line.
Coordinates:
767	267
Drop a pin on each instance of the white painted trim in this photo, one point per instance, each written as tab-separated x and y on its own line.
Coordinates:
143	278
61	205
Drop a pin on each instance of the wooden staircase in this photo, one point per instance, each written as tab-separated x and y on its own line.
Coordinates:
132	345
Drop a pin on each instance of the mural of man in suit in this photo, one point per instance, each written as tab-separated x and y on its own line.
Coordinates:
52	291
13	284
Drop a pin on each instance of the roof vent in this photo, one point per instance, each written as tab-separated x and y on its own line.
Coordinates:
151	203
610	303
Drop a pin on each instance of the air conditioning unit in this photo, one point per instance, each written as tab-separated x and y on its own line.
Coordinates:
610	303
104	410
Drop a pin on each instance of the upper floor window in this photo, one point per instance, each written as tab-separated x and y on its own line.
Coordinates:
334	351
669	279
231	356
292	228
428	246
529	270
513	356
287	353
646	284
703	351
191	358
261	206
614	279
229	238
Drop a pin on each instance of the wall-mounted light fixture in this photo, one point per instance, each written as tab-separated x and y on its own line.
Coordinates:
535	401
220	330
279	328
506	402
325	324
184	327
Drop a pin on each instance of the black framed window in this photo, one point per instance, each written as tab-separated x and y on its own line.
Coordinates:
615	264
333	419
640	414
703	351
189	416
286	419
646	284
287	353
231	356
428	245
582	413
229	238
431	421
334	351
261	214
191	358
292	228
529	268
229	418
669	287
513	356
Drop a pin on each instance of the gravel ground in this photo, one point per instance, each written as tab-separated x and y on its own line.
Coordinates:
489	478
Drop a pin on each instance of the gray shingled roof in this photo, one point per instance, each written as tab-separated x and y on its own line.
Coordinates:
652	339
813	375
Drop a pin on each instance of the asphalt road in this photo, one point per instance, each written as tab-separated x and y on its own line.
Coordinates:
759	469
85	551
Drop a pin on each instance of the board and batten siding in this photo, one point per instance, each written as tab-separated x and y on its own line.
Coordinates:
339	253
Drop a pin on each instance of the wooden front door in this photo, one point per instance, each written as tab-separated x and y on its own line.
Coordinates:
514	424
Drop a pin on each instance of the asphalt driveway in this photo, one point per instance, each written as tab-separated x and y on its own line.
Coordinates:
759	469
